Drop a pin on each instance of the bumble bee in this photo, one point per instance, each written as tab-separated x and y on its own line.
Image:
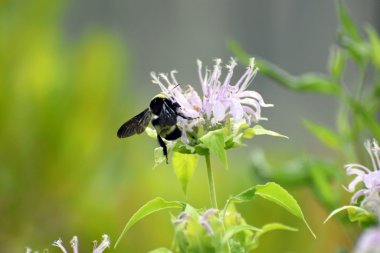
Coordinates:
163	113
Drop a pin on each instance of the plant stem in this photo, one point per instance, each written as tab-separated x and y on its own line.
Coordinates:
211	185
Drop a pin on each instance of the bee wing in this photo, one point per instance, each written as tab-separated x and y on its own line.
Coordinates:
136	125
168	116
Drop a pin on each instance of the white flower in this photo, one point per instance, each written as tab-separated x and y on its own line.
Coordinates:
74	245
370	178
222	98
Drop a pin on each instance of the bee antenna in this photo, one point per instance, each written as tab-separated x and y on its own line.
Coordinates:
176	86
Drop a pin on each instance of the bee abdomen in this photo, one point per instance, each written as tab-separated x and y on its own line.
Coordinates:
173	135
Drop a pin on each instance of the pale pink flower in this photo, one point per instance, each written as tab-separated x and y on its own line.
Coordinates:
221	100
74	245
369	241
370	178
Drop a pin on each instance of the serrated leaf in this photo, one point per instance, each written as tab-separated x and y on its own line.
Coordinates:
214	141
268	228
355	214
230	232
160	250
323	134
184	166
278	195
155	205
259	130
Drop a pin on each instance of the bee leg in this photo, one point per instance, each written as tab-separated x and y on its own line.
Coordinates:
180	114
163	145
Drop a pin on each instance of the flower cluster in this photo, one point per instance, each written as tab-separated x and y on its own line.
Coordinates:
184	217
221	100
74	245
370	178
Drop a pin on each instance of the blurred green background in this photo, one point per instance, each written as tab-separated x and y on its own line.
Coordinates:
71	72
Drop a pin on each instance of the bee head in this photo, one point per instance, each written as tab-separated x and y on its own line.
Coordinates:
157	103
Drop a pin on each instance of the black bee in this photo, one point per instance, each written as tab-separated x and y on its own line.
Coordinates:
163	113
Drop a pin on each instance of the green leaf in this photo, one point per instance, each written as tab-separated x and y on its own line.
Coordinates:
355	213
336	62
316	83
238	51
152	206
307	82
268	228
368	118
375	46
184	166
214	141
259	130
278	195
322	174
347	25
325	135
230	232
160	250
244	196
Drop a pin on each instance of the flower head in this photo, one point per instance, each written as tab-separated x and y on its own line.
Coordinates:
369	241
221	100
203	220
370	178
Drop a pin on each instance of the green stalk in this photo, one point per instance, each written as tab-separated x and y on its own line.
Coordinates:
211	185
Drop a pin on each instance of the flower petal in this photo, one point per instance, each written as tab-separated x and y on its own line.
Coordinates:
358	194
352	185
236	110
218	112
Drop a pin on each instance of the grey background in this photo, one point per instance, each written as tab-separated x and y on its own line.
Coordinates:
165	35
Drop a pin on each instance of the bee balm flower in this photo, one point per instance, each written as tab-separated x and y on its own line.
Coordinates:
74	245
221	100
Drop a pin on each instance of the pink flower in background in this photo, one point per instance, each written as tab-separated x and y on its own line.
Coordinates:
370	178
369	241
74	245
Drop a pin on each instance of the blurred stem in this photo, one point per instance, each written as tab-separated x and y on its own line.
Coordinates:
356	124
359	89
211	185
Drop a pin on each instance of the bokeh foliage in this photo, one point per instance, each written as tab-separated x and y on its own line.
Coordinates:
58	101
353	79
63	171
